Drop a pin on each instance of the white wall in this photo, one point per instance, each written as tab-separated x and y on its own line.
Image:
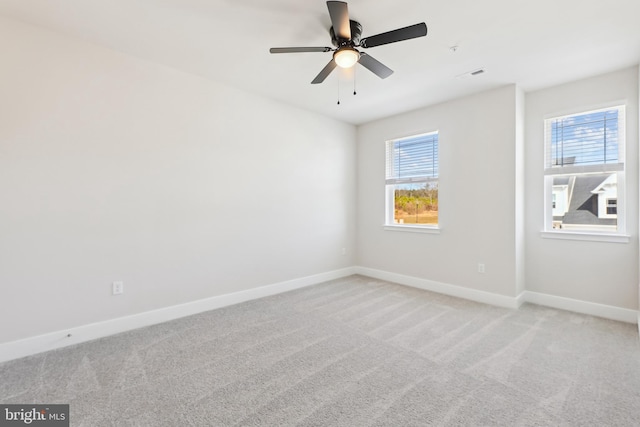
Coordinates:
477	200
113	168
604	273
520	248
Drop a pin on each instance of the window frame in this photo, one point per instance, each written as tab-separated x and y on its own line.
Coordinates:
389	220
550	171
608	205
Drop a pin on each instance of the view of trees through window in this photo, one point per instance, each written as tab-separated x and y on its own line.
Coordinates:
412	166
416	204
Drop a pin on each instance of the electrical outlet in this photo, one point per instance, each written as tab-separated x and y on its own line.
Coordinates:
480	267
118	288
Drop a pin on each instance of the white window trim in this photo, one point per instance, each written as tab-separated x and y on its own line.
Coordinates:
590	236
389	224
411	228
620	236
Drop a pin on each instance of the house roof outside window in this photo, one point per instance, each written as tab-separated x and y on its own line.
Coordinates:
583	199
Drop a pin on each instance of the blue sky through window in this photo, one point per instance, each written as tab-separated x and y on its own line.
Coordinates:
585	139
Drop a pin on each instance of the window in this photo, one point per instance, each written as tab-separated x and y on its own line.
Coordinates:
412	181
584	172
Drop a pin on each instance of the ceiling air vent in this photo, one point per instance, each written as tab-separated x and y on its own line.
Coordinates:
471	73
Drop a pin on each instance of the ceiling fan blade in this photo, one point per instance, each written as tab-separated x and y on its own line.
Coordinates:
299	49
375	66
340	19
406	33
325	72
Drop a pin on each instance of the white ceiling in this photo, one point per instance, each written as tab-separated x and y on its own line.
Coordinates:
532	43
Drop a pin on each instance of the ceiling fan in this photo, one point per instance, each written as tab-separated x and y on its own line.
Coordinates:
346	37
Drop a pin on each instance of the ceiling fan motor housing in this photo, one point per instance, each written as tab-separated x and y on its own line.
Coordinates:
356	33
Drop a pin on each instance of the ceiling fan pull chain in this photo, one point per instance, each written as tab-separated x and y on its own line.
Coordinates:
354	81
338	88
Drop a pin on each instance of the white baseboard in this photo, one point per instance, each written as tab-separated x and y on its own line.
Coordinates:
520	299
51	341
442	288
584	307
76	335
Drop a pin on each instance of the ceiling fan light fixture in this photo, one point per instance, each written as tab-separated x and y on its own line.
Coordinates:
346	57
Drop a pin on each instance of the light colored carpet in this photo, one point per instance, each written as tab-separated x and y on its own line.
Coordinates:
351	352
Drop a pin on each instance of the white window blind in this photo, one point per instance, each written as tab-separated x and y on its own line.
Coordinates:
586	142
584	170
413	159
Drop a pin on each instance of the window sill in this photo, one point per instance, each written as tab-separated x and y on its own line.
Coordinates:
413	229
591	237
